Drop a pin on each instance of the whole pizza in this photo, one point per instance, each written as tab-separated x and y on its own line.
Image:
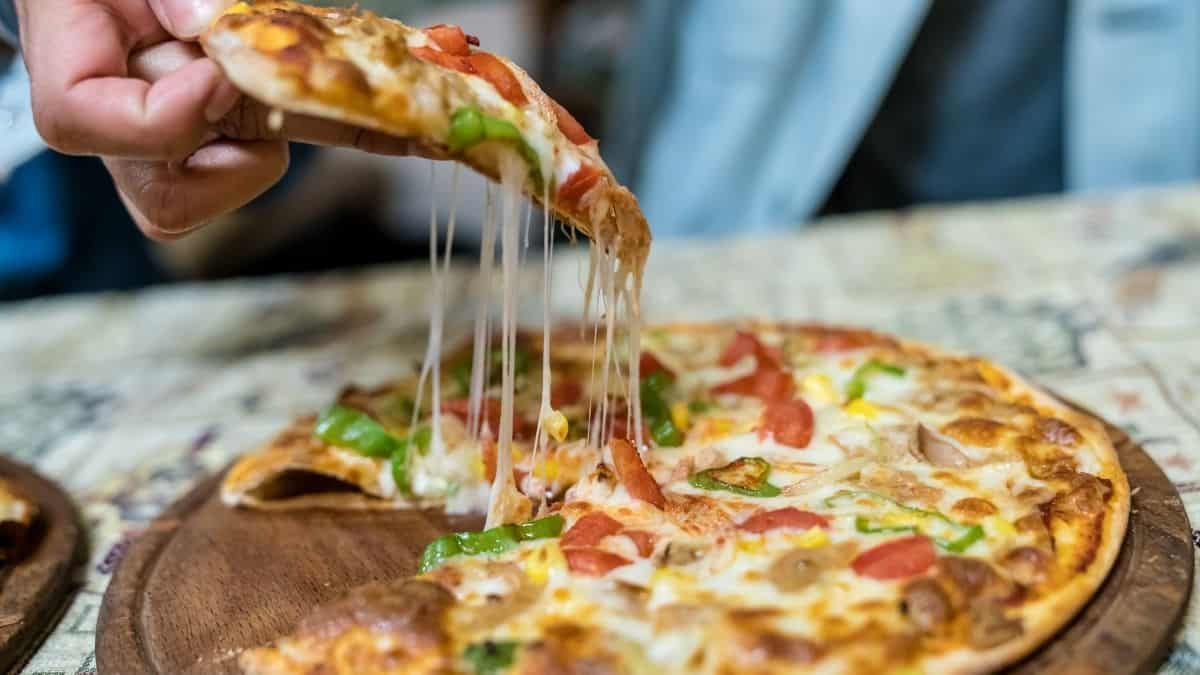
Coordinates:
810	499
738	497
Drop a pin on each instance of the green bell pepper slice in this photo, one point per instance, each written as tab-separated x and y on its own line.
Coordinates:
491	657
422	437
346	427
470	126
466	128
888	516
857	386
490	542
656	412
746	476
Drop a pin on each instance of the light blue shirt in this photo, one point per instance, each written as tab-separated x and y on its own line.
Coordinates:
743	116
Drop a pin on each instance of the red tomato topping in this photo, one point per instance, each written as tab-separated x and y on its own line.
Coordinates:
565	392
633	474
896	559
451	39
461	407
842	339
590	529
444	59
790	422
648	365
765	521
570	126
592	561
498	74
577	184
744	344
768	384
644	541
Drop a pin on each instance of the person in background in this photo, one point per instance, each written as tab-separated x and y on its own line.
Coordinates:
726	116
760	115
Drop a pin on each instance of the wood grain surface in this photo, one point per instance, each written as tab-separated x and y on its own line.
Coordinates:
209	581
34	588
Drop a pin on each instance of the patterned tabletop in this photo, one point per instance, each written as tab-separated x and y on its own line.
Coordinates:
128	400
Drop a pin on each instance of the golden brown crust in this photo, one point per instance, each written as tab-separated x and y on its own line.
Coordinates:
355	67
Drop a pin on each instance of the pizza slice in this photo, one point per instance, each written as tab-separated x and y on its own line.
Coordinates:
16	518
433	85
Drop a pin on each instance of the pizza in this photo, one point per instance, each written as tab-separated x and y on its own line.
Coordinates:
806	498
16	519
434	86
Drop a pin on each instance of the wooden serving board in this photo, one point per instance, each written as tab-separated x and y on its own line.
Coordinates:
34	587
209	581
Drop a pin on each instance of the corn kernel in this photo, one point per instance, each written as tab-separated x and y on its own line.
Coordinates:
754	545
864	409
717	428
819	387
555	424
814	538
547	469
999	527
680	416
477	467
238	8
542	560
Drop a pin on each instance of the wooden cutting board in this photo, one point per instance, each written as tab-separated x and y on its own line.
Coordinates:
34	588
209	581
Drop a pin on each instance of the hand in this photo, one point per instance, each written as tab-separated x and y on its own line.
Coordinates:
123	79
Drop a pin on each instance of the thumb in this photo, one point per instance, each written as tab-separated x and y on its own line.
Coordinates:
186	19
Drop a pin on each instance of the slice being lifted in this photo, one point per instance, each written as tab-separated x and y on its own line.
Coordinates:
435	87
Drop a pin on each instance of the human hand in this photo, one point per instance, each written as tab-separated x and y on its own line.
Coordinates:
124	79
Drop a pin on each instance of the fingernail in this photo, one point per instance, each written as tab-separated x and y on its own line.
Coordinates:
224	97
189	18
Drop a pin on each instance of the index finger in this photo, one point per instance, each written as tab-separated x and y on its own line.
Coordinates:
84	101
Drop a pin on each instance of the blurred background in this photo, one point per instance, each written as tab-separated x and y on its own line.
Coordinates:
723	117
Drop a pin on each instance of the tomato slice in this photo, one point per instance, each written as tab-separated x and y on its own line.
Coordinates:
768	384
644	541
590	529
633	474
461	408
789	421
451	39
565	392
790	517
649	365
896	559
577	184
444	59
592	561
746	344
499	75
570	126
